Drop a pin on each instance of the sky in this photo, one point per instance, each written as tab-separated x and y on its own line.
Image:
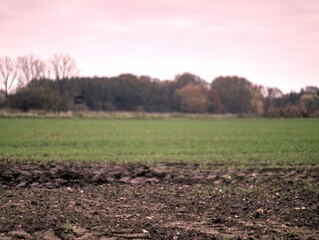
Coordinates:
273	43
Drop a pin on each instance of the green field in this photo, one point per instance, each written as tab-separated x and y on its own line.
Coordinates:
234	141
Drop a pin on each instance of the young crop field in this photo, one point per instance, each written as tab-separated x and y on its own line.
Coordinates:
158	178
232	141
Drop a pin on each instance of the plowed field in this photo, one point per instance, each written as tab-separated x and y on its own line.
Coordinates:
85	200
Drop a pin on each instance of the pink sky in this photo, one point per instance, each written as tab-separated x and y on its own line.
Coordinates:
269	42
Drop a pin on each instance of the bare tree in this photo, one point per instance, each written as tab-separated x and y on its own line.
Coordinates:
8	74
31	68
63	66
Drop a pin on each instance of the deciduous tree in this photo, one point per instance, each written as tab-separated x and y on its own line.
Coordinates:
235	94
8	74
214	103
63	66
31	68
193	98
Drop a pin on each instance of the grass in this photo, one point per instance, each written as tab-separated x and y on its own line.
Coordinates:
236	141
68	226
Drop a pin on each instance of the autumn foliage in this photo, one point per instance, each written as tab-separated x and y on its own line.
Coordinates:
29	83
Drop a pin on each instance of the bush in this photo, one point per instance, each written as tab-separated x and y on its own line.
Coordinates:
37	99
291	111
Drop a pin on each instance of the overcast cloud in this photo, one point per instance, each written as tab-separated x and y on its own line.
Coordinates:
270	42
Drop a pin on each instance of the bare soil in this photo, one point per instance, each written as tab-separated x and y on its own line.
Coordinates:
74	200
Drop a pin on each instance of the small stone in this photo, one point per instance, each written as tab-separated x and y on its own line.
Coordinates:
99	177
152	180
22	184
35	184
68	236
79	232
158	172
138	180
259	213
50	235
125	180
218	182
227	178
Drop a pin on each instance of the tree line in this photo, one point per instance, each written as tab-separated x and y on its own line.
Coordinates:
30	83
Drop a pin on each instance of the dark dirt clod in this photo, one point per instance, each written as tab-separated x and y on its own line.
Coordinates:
73	200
